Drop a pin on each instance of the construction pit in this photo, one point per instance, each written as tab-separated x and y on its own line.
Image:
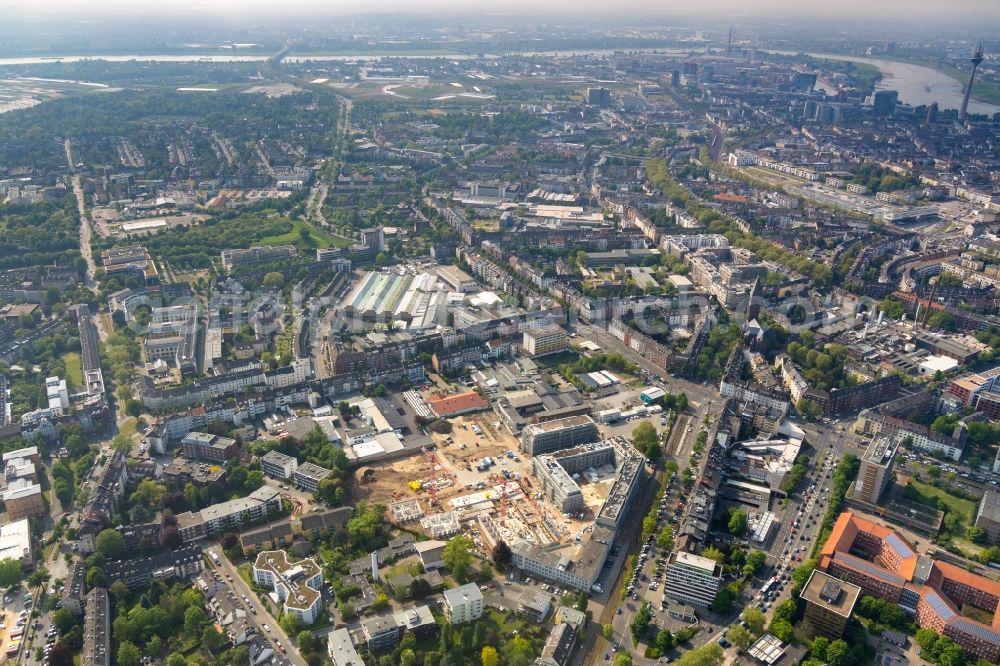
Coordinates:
417	491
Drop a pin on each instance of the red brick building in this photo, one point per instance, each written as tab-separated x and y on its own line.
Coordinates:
884	565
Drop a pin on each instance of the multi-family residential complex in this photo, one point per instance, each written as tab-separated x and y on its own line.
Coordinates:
308	475
463	603
298	584
96	629
195	525
544	340
579	564
538	438
22	494
277	465
182	562
557	484
205	446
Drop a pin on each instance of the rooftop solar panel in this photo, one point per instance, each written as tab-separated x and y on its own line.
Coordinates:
940	606
868	568
976	629
899	546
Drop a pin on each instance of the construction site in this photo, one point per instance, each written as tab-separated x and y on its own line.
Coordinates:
477	481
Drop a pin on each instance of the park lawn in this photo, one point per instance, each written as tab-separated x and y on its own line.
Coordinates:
74	369
963	507
317	238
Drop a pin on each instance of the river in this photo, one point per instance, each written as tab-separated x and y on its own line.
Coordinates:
916	84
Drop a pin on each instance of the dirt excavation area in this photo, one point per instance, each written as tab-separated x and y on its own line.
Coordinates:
454	468
477	471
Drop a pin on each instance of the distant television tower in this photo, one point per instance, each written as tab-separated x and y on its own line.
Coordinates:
976	60
729	44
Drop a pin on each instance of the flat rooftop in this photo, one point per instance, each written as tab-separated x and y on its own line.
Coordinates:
557	424
835	595
693	561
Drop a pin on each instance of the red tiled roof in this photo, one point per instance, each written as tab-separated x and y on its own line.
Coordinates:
454	404
730	197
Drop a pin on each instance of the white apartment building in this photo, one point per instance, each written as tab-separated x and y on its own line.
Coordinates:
277	465
463	604
297	584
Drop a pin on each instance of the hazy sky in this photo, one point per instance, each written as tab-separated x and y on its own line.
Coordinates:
906	10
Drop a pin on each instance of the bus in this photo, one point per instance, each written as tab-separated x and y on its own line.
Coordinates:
769	585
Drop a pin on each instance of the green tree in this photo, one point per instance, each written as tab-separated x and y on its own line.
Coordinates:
519	652
110	544
714	553
738	522
211	639
39	577
976	535
622	658
724	600
290	623
665	539
801	574
274	280
128	654
710	654
119	592
194	620
607	630
754	562
782	629
818	648
306	640
755	620
10	572
640	622
457	556
646	440
941	320
64	619
838	653
175	659
149	496
95	577
122	443
738	636
809	409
